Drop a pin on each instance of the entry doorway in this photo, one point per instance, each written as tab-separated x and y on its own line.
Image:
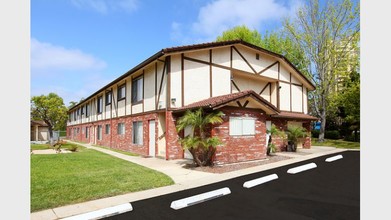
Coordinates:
152	141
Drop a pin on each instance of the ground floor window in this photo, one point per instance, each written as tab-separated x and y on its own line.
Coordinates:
86	132
137	134
240	126
99	132
107	129
121	128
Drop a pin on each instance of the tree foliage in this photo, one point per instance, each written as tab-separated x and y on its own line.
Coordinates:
276	42
200	146
325	33
51	110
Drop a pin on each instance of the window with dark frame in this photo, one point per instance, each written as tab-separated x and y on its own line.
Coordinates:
82	110
86	132
100	104
137	90
121	92
107	129
99	135
87	112
121	128
137	133
108	97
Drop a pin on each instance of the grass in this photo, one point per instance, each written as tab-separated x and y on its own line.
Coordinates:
40	146
118	151
63	179
336	143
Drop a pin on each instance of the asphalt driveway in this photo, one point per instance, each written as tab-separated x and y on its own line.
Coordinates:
329	191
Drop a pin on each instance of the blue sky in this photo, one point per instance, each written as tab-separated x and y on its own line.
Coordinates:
78	46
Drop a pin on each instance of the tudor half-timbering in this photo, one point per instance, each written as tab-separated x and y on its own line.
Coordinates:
254	87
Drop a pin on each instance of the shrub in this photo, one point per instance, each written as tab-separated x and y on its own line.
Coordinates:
73	148
334	135
315	133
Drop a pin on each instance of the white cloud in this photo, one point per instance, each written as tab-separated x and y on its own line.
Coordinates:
106	6
220	15
46	56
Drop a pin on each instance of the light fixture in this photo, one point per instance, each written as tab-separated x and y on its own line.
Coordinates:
173	100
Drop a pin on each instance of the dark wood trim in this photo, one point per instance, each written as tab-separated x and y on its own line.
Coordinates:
112	100
268	67
143	90
160	60
160	88
230	85
131	89
206	63
127	96
290	87
245	104
270	93
278	95
236	86
269	84
308	108
245	60
230	58
210	73
137	103
168	90
302	99
155	83
182	79
240	104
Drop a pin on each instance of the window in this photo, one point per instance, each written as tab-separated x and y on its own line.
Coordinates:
107	129
137	134
100	104
137	90
86	132
82	110
87	112
99	132
241	126
121	128
121	92
108	98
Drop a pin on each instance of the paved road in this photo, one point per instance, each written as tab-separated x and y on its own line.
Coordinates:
329	191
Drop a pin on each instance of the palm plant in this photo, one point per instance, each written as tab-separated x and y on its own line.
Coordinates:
200	146
273	132
294	135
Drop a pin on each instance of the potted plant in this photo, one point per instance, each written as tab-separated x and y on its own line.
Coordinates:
294	135
273	132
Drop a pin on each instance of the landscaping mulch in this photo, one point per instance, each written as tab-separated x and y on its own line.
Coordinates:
237	166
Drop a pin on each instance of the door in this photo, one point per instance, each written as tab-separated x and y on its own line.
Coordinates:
187	154
268	127
152	142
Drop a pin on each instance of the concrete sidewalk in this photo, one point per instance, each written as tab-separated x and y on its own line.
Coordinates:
183	178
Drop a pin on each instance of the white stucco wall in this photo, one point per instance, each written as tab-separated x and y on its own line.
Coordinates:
221	81
297	98
176	81
196	82
285	102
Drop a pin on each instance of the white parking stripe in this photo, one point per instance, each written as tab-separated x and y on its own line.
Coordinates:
182	203
103	213
331	159
302	168
258	181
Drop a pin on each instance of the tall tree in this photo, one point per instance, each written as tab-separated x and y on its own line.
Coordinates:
51	110
276	42
325	33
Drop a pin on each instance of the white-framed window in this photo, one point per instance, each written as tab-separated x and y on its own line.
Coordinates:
137	133
240	126
99	132
121	128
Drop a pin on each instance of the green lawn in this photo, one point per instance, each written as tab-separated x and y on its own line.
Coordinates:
40	146
119	151
336	143
62	179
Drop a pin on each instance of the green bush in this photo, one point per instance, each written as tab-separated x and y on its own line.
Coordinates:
315	133
334	135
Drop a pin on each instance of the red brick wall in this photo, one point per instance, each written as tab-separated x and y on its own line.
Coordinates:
240	148
173	147
113	140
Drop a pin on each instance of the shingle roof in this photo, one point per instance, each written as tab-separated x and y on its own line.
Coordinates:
294	115
218	101
39	123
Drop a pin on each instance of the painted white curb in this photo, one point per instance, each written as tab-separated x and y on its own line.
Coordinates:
259	181
103	213
331	159
182	203
302	168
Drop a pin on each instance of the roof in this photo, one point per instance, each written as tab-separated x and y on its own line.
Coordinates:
187	48
39	123
219	101
294	115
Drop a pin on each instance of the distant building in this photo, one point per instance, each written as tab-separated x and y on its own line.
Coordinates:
39	131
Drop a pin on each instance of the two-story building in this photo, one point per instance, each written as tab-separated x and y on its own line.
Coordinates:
253	87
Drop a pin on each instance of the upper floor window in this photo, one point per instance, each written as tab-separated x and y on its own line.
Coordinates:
87	110
121	92
82	110
137	90
240	126
100	104
108	98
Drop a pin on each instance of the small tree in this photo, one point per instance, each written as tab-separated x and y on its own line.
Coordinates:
294	135
274	132
201	147
51	110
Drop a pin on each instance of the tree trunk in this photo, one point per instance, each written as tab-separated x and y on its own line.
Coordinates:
322	126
